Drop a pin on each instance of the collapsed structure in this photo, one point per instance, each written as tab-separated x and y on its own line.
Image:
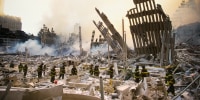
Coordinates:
114	39
151	32
6	21
151	29
47	37
96	42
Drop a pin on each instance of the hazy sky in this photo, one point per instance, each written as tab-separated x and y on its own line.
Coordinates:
34	12
64	14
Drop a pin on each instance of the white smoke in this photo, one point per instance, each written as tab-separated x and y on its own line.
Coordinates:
1	7
65	48
34	48
103	48
188	12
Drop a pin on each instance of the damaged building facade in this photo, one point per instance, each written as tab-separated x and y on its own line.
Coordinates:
11	22
97	42
112	36
47	37
151	30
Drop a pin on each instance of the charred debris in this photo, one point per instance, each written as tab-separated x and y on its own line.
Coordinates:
155	44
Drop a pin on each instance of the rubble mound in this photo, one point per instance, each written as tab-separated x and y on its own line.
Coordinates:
189	34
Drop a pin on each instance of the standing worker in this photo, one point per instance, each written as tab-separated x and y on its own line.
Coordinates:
39	70
144	72
25	69
168	73
170	83
111	71
74	70
137	74
20	67
96	70
53	74
91	69
62	71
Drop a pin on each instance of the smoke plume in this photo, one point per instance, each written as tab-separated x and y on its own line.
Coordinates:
1	7
188	12
34	48
197	2
64	16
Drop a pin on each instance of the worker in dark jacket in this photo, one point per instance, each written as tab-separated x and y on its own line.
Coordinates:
20	67
137	74
62	71
25	69
53	74
96	70
144	72
170	83
74	70
111	71
39	70
91	70
168	74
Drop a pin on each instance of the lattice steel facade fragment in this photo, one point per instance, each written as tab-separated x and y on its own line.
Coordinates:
150	28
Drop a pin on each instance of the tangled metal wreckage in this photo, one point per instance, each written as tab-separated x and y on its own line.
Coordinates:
150	28
151	32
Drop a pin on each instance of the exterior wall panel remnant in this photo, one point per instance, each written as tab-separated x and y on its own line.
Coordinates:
148	24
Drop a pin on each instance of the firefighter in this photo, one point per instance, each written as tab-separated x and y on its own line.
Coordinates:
39	70
62	71
25	69
74	71
137	74
168	73
96	70
111	71
20	67
170	83
91	70
53	74
144	73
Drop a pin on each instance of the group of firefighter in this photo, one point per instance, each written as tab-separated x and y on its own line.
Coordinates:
169	80
23	68
42	69
95	71
62	72
140	75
